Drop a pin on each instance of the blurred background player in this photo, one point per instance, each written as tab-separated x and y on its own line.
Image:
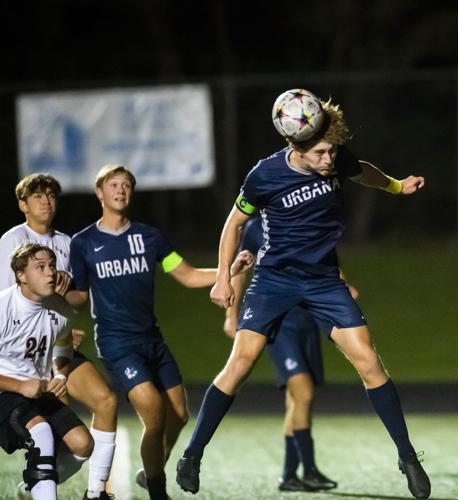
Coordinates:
37	198
29	404
115	259
296	354
298	191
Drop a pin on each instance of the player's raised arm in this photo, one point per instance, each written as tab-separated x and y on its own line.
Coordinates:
222	293
373	177
193	277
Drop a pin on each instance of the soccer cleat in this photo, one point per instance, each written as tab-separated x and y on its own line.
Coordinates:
22	493
315	480
103	496
417	479
291	484
188	469
140	479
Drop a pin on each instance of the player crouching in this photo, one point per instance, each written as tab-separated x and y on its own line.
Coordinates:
33	377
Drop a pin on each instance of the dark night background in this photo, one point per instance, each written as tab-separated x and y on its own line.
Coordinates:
391	64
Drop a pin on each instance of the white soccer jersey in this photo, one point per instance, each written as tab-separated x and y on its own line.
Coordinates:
57	241
27	334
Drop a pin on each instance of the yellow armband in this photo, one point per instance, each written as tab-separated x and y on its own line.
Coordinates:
394	187
243	205
171	262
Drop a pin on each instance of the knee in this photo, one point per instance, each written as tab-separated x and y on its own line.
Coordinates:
238	368
369	365
82	443
182	417
303	401
154	422
106	403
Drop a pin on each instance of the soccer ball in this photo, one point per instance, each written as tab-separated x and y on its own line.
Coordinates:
297	114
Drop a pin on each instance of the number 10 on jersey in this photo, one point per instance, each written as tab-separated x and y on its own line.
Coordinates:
136	244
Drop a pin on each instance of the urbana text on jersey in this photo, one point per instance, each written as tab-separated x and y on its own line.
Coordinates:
113	268
307	193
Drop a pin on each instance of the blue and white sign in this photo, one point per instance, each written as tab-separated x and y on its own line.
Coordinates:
164	135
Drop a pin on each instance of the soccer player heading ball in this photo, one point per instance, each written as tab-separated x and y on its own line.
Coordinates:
298	192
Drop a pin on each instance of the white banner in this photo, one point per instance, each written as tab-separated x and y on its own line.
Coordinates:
164	135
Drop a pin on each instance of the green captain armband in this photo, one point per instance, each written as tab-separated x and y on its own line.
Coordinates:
394	187
244	206
171	262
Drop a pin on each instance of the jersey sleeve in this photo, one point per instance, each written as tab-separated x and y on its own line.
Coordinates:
78	264
250	198
166	255
7	246
348	164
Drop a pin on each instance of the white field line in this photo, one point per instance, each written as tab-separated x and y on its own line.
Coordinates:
121	475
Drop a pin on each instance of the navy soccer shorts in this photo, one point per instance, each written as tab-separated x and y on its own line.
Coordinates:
273	293
297	347
131	365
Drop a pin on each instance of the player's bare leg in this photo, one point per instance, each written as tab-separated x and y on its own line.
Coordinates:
357	346
246	349
76	447
87	385
149	404
299	395
176	410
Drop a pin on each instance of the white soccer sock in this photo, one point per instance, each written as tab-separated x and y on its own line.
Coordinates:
42	435
100	461
67	463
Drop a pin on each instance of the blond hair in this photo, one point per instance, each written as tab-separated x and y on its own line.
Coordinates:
334	129
109	171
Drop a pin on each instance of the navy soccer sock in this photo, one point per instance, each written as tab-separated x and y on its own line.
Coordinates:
304	445
212	410
156	487
291	458
385	401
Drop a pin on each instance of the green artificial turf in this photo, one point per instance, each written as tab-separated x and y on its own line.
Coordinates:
244	460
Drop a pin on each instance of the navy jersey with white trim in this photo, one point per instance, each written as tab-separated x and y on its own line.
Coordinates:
302	213
119	271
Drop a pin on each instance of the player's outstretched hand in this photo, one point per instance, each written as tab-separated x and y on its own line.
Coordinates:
242	263
63	282
222	294
77	337
57	386
412	184
32	388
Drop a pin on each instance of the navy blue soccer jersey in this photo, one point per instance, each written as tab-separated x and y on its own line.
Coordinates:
302	212
119	271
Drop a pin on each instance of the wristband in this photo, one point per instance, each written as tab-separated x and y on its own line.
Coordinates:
61	376
394	187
